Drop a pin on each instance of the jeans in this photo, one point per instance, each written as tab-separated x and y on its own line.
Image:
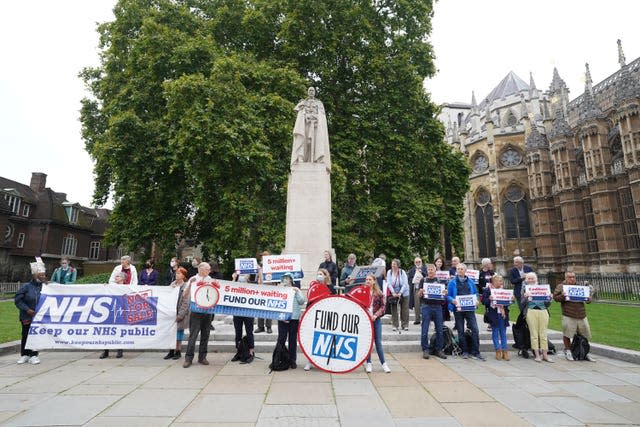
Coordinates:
499	334
289	330
200	324
404	312
23	342
238	321
377	336
470	318
429	313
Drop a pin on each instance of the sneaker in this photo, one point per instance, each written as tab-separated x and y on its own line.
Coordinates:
568	355
34	360
236	357
395	329
405	329
307	367
104	354
23	359
385	368
548	359
425	354
465	355
249	360
368	367
417	322
441	354
169	355
177	355
590	358
479	357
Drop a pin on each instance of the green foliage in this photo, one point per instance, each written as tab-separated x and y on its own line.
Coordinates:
94	279
9	323
192	110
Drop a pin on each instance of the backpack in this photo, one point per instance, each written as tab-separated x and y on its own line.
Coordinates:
280	360
449	346
552	348
580	347
243	350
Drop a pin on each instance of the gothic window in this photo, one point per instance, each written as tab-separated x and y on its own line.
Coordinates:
629	224
484	225
480	163
516	214
592	240
510	157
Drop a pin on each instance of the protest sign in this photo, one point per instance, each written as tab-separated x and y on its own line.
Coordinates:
251	300
538	292
576	293
246	265
204	295
360	273
275	266
443	275
473	274
433	291
91	317
502	296
467	302
336	334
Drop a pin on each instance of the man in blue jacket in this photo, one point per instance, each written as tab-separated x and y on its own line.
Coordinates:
26	300
458	286
516	276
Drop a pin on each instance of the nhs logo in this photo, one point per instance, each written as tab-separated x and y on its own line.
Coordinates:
334	346
104	309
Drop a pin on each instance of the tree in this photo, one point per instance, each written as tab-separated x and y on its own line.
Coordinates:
192	110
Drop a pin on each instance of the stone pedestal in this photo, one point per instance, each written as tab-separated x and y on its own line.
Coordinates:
308	231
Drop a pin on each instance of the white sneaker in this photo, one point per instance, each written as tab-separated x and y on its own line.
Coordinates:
590	358
23	359
385	367
34	360
368	368
307	367
568	355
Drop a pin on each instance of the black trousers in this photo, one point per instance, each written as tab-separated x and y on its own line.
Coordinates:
23	342
200	324
289	330
238	321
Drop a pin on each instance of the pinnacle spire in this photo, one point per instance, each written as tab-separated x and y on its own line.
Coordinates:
474	104
487	115
535	139
589	108
559	128
621	59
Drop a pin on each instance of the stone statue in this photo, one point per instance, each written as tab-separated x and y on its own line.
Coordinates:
310	134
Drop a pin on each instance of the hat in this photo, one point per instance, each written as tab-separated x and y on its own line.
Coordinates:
37	267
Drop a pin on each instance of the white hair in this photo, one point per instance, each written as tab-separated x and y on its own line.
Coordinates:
125	258
204	265
518	259
532	274
461	265
486	261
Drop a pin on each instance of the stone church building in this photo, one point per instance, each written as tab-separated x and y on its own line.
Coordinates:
554	180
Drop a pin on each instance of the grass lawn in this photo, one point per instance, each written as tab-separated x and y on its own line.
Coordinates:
615	325
9	323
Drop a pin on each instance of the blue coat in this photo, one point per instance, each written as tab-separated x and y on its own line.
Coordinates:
27	298
453	291
514	275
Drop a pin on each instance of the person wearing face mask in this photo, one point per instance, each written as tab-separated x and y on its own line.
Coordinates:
174	264
240	321
288	329
149	275
26	300
65	274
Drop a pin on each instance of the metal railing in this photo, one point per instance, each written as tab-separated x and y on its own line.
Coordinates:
623	287
9	288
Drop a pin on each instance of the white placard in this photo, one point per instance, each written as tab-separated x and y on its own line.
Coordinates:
576	293
538	292
467	302
246	265
473	274
275	266
433	291
443	275
502	296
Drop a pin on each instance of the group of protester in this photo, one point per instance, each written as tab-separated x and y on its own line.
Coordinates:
396	291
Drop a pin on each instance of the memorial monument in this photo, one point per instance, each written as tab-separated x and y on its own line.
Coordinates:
308	230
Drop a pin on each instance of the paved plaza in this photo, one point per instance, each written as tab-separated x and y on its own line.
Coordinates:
142	389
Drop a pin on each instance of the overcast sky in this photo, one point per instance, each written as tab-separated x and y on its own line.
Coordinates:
44	44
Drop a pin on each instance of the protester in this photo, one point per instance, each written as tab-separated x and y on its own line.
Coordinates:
415	276
345	280
574	315
193	270
118	279
454	266
516	276
497	316
537	319
288	329
332	268
484	280
215	270
200	322
174	264
26	300
439	263
129	270
149	275
65	274
240	321
431	310
182	312
262	323
377	311
398	286
458	286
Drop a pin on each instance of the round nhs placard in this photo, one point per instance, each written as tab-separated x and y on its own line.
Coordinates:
336	334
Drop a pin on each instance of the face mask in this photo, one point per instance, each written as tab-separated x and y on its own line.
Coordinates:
172	263
320	277
242	279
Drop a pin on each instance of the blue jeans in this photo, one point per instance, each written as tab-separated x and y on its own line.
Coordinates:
377	336
499	334
431	312
470	318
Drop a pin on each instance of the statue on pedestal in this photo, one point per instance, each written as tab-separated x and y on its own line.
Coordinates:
310	134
